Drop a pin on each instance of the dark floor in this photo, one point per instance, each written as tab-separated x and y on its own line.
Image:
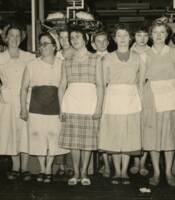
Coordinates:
101	189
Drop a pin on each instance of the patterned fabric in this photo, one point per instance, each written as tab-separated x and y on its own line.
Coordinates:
79	132
81	72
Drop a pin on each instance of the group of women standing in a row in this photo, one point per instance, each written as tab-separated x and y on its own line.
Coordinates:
119	103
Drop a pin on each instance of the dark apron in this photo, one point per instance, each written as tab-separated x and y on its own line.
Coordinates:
44	100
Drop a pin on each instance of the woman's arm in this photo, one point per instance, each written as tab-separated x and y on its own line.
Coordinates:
1	97
141	75
100	89
23	94
62	86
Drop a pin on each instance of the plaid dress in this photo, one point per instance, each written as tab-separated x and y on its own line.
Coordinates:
79	131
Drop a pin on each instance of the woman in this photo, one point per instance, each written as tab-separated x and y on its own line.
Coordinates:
66	48
140	46
159	102
80	95
43	77
100	43
120	123
64	162
13	131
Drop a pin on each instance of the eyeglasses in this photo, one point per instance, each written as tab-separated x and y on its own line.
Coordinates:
44	44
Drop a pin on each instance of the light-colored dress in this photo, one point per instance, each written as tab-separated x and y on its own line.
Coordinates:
120	123
80	131
139	52
13	132
44	129
159	100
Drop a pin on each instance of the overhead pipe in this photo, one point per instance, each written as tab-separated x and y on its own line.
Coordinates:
33	18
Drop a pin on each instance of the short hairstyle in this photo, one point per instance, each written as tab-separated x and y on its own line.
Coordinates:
78	30
47	34
142	28
98	33
159	23
167	27
121	26
14	26
51	38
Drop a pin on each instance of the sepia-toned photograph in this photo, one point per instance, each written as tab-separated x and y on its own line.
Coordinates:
87	99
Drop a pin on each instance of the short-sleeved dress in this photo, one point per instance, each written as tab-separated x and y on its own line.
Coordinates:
44	124
140	53
120	122
159	100
13	131
136	50
79	130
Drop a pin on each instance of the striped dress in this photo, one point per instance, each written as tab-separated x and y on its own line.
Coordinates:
79	130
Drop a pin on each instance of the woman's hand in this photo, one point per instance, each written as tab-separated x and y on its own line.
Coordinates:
97	115
140	91
62	117
24	114
1	99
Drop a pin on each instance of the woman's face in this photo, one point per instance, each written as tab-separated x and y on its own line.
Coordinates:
46	47
101	42
141	38
77	40
122	38
64	39
159	34
13	38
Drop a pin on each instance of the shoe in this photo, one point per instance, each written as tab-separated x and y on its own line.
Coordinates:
13	175
126	180
47	178
26	176
73	181
171	181
143	172
134	170
116	180
69	172
40	177
101	170
106	174
154	181
61	172
85	181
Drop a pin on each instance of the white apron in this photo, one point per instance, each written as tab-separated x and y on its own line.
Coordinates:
121	99
164	94
80	98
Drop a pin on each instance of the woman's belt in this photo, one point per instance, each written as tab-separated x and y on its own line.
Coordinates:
44	100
